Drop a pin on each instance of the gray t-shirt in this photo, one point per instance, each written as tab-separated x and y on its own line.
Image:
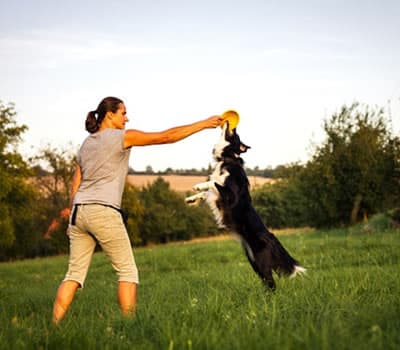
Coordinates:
104	166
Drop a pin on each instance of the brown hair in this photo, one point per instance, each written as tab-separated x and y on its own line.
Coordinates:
108	104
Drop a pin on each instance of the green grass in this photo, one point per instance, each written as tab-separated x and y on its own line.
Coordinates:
205	296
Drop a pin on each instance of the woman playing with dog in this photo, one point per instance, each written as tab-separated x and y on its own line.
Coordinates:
97	188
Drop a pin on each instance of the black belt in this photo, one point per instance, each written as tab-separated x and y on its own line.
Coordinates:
124	214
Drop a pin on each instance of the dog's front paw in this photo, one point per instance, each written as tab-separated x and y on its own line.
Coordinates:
192	200
197	188
203	186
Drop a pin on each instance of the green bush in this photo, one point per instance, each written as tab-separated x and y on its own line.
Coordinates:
165	217
280	205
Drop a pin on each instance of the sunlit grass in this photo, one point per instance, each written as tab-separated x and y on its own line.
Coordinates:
205	296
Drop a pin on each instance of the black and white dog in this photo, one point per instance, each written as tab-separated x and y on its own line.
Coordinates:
227	194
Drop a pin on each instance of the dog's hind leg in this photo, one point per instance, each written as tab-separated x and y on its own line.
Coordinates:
265	272
268	280
259	266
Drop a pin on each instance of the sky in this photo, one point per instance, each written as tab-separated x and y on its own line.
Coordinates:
285	66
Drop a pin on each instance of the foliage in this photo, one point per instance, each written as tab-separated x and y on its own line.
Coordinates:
133	206
287	171
54	171
54	168
15	193
269	203
355	172
166	217
206	296
352	175
395	216
25	217
280	205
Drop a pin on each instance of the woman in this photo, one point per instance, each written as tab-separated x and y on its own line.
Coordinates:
97	188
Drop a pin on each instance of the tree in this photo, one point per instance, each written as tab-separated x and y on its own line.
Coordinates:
13	169
167	218
353	173
59	165
280	204
54	168
161	220
132	204
286	171
149	169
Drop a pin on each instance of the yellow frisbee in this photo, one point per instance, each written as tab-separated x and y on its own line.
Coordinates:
232	117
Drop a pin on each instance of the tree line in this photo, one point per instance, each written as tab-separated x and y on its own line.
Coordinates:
268	172
353	174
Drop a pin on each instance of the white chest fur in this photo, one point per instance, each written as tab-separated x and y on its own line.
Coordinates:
208	192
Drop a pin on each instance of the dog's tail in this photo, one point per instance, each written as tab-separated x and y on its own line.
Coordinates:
282	262
298	270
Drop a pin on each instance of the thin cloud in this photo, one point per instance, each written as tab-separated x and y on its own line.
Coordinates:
55	50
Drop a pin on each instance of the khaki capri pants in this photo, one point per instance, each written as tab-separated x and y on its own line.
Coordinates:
104	224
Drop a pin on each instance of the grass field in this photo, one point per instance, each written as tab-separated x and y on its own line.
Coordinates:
205	296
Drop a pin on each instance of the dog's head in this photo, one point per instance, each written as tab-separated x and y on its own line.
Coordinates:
229	145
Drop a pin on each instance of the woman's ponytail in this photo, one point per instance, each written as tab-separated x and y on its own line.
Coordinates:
91	123
108	104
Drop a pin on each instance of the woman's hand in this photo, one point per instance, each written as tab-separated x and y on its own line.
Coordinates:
56	222
65	213
213	121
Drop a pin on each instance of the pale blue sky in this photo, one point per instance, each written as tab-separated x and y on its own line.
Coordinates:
283	65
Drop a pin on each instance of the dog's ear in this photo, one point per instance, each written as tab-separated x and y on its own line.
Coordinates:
243	147
229	193
220	188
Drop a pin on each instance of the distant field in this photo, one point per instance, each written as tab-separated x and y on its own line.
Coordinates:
206	296
181	183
